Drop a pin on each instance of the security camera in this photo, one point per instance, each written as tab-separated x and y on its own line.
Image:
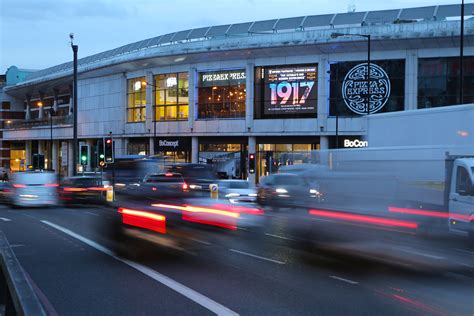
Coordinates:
71	36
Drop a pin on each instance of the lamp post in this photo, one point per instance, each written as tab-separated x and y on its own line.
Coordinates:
75	48
367	36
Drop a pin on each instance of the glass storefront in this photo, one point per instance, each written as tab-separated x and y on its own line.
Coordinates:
175	149
136	100
222	94
172	102
438	81
271	156
229	159
349	93
286	91
138	146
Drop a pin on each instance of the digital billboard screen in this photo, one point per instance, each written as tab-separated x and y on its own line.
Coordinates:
287	91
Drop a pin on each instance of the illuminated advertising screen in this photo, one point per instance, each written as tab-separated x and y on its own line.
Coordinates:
287	91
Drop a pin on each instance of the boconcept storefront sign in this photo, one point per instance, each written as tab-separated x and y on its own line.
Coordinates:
356	143
355	88
172	144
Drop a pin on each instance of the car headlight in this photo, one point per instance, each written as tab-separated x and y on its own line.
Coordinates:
281	190
230	195
195	187
253	194
314	191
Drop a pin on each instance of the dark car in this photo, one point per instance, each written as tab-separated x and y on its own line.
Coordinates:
286	190
198	177
83	189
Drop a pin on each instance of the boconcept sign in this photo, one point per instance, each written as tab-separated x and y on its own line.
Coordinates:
167	143
355	143
355	88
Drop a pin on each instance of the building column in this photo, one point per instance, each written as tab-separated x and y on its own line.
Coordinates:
55	102
192	97
253	149
41	108
54	158
41	147
194	149
249	95
28	153
152	146
71	91
150	102
70	162
411	82
324	150
323	93
28	107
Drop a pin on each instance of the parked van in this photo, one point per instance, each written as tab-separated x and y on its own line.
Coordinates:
34	188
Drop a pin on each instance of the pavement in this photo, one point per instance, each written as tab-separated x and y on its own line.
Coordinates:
74	271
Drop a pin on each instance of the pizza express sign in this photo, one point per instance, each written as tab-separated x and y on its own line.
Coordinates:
356	90
222	78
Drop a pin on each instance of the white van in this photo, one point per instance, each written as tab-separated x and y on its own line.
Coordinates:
34	188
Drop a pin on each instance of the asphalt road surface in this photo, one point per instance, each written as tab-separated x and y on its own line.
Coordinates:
74	272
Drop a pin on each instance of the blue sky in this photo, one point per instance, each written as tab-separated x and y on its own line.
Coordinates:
34	34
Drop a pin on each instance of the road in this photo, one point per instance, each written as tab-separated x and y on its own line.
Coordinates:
73	271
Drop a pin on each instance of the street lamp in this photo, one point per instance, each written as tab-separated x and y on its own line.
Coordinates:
75	48
367	36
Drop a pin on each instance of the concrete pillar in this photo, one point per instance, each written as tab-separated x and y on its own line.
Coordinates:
152	146
192	96
71	104
70	163
249	95
28	107
194	149
324	143
41	147
324	150
54	158
150	101
55	102
323	92
411	80
28	153
41	108
124	147
252	149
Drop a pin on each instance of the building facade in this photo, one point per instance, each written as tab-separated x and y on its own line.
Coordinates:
281	89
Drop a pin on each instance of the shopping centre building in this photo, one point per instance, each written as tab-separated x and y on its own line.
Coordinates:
281	88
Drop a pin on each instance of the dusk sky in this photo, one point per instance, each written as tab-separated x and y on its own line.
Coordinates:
34	34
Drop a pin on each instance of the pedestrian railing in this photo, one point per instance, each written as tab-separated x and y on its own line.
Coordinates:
17	296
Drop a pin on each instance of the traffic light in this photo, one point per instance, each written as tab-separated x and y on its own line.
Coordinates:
251	163
84	155
109	150
102	160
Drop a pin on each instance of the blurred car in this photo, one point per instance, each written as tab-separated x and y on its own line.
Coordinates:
237	191
83	189
5	192
198	177
287	190
34	188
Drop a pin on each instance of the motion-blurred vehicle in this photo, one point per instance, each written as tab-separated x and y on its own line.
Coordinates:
197	176
5	192
34	188
132	169
88	189
237	191
286	190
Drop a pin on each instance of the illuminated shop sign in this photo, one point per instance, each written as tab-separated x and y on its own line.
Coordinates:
355	89
172	144
289	90
222	78
349	87
356	143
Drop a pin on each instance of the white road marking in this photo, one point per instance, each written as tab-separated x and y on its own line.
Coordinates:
199	241
196	297
422	254
343	280
90	213
278	236
5	219
256	256
465	251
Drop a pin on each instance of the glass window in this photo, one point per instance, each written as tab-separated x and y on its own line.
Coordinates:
463	181
172	102
136	100
222	94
